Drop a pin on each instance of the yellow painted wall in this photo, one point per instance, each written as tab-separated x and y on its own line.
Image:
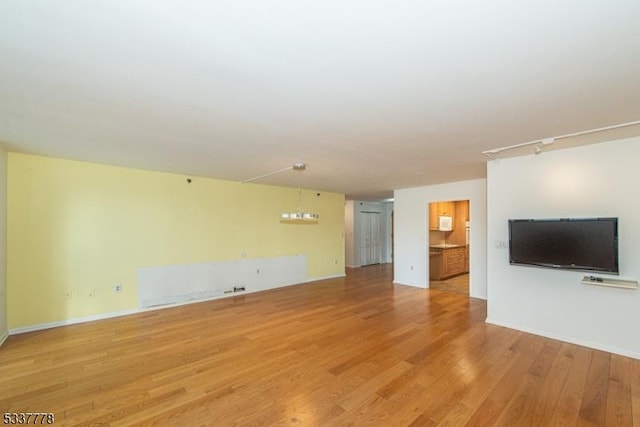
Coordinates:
3	224
83	227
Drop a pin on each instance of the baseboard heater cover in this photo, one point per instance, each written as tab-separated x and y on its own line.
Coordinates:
172	284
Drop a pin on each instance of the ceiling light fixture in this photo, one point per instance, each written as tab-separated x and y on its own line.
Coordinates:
298	216
541	143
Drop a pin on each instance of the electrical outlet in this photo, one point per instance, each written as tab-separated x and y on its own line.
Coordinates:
92	293
117	288
412	268
68	294
258	271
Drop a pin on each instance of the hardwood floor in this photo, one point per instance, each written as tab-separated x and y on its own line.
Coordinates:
459	284
354	351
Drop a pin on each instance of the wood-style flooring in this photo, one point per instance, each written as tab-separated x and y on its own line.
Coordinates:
356	351
458	284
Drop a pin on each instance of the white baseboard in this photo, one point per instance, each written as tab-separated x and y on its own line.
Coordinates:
410	284
3	336
572	340
73	321
102	316
335	276
482	297
360	265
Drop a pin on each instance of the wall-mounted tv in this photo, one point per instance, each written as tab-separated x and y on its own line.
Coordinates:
584	244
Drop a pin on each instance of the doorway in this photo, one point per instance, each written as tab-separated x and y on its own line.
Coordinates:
448	242
370	251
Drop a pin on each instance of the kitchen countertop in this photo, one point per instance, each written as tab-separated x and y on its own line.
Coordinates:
445	246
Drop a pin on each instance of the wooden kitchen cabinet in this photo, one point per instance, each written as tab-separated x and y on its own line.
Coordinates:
451	263
447	209
466	258
433	216
462	210
440	209
435	265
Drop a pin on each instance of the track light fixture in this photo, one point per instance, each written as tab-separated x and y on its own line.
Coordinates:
539	144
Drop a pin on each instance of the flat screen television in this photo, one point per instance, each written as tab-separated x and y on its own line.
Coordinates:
584	244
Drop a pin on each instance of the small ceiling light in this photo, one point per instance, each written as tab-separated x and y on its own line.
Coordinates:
543	143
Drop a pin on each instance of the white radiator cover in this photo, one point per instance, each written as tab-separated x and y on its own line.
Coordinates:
162	285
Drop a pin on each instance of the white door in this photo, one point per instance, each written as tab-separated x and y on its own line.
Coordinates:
370	242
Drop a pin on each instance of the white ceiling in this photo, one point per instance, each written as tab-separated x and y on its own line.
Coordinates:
373	95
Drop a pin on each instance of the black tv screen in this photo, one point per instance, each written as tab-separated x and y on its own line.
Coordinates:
585	244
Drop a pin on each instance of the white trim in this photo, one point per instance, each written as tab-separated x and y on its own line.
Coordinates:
103	316
335	276
572	340
3	337
413	285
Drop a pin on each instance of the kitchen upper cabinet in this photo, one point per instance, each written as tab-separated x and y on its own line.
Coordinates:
462	210
438	209
447	209
433	216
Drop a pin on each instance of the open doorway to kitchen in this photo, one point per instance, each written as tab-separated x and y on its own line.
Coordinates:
448	243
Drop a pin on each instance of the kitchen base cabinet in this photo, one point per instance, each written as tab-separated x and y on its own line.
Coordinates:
451	263
435	265
466	259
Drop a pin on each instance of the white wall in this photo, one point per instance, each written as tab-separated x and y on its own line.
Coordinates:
598	180
411	214
349	234
3	245
386	237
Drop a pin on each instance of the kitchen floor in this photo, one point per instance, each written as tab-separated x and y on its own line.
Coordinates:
457	284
